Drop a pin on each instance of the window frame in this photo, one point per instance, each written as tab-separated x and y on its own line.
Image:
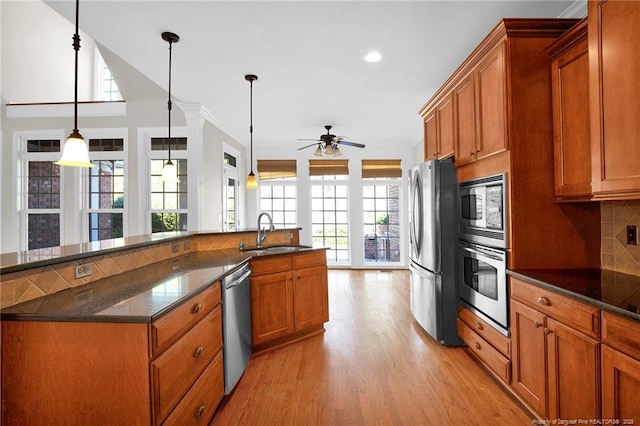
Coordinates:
333	180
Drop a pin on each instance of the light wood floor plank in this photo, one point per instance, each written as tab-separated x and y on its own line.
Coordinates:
373	366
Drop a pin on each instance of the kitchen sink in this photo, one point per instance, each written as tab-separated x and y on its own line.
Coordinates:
274	249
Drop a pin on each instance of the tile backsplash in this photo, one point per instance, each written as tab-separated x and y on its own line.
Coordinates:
615	253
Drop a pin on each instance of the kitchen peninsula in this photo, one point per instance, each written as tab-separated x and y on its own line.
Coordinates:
138	337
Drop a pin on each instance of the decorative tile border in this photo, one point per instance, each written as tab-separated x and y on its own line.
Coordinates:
616	255
31	284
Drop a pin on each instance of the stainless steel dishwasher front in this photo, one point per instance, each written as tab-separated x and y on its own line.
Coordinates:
236	325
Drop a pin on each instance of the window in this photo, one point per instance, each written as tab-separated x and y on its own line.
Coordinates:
381	204
106	87
42	179
106	189
231	189
277	191
329	208
168	200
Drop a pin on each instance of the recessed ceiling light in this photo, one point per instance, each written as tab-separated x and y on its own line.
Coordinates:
374	56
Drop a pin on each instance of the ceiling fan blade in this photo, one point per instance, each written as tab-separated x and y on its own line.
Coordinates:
356	144
308	146
318	140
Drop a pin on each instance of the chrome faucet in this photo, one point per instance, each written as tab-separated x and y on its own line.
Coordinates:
262	233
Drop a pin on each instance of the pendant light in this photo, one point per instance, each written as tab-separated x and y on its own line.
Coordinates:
75	152
169	170
252	181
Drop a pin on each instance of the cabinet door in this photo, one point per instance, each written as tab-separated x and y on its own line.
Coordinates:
445	127
464	104
614	67
572	146
271	307
430	136
311	297
620	386
529	356
573	364
491	107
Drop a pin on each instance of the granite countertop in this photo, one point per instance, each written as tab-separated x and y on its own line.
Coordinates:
141	295
608	290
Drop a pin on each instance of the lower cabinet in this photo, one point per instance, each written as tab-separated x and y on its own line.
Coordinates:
620	369
491	347
80	373
289	297
556	368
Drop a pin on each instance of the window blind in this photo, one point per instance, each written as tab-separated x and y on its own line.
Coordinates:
381	169
276	169
328	167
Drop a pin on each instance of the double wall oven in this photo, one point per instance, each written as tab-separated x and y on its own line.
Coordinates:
482	255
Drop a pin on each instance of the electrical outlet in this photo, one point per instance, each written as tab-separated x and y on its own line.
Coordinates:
175	265
186	245
632	235
175	247
288	235
84	270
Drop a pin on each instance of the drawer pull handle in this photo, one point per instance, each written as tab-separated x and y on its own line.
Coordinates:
543	301
198	351
547	331
196	308
476	345
200	411
536	324
479	326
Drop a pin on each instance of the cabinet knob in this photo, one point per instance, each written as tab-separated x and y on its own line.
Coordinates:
199	350
547	331
476	345
472	153
543	301
536	324
200	411
479	326
196	308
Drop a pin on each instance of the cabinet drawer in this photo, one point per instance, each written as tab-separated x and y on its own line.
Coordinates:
622	334
306	260
575	314
486	331
199	404
178	367
497	362
270	264
171	326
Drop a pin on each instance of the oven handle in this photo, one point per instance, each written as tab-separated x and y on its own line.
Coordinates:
483	253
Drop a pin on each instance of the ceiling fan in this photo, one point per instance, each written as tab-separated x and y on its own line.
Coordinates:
328	144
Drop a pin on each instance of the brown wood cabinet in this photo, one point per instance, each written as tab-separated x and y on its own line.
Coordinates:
570	95
439	130
289	297
548	335
491	347
614	66
620	369
78	373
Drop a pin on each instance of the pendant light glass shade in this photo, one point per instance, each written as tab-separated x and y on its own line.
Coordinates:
252	181
75	152
170	172
336	151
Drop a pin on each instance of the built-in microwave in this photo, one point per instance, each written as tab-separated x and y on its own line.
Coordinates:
482	204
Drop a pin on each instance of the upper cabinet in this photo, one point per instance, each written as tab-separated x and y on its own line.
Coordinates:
570	96
438	130
614	78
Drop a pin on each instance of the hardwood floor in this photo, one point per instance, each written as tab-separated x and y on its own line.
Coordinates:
373	365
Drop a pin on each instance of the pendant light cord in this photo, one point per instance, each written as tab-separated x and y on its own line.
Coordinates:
169	101
251	120
76	47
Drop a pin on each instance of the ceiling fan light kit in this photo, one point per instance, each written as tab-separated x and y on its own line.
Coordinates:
328	144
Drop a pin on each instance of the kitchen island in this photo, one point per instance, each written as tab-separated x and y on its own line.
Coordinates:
139	345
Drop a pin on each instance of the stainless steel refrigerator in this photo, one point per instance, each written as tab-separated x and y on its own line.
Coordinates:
434	238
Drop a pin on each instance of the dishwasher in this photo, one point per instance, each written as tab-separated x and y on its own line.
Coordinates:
236	325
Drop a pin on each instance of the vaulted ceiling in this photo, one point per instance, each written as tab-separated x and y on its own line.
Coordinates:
308	56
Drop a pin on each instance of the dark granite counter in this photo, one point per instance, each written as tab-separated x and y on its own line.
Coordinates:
140	295
608	290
